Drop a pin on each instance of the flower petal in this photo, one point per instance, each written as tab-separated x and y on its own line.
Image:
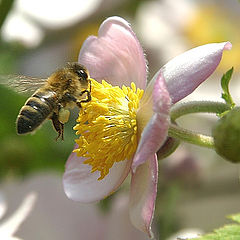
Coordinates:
115	55
82	185
155	132
11	224
184	73
143	195
118	223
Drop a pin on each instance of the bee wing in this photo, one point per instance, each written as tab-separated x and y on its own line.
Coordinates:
22	84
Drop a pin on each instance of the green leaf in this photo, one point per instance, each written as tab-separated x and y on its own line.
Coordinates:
224	83
227	232
235	217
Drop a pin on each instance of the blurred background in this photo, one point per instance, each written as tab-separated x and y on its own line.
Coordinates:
197	188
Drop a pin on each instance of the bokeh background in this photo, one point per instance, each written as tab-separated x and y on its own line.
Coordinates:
197	188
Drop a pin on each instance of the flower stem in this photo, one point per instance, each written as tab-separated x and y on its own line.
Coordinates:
179	110
190	136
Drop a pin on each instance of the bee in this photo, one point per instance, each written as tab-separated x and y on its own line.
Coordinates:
67	87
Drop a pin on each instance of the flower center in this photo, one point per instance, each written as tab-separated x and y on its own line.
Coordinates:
107	126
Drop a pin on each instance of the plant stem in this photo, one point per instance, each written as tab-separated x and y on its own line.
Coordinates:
182	109
190	137
179	110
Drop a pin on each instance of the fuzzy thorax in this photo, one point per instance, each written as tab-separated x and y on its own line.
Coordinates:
107	126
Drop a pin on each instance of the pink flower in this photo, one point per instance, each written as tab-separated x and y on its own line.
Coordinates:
117	57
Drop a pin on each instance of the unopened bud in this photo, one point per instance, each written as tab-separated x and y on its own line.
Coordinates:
226	136
168	148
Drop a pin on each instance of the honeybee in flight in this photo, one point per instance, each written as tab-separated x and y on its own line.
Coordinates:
65	88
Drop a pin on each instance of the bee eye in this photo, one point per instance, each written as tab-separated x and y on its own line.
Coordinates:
82	74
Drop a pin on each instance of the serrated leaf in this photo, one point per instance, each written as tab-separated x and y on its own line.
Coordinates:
227	232
225	87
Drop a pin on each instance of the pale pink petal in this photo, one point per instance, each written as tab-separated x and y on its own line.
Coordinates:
12	223
82	185
143	195
3	205
119	226
155	132
184	73
115	55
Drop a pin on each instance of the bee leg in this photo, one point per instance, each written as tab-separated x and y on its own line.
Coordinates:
72	98
58	126
68	96
78	102
89	97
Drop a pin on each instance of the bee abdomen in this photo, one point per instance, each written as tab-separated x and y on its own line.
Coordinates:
34	112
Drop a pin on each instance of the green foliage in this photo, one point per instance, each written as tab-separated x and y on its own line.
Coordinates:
235	217
23	155
227	232
5	6
106	204
166	220
226	136
225	87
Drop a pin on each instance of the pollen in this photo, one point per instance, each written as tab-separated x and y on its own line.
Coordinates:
107	126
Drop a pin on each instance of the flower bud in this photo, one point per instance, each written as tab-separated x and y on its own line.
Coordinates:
226	136
168	148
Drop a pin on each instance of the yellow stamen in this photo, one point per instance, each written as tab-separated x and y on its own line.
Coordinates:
107	126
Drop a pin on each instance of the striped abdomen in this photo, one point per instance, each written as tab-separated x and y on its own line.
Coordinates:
36	109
